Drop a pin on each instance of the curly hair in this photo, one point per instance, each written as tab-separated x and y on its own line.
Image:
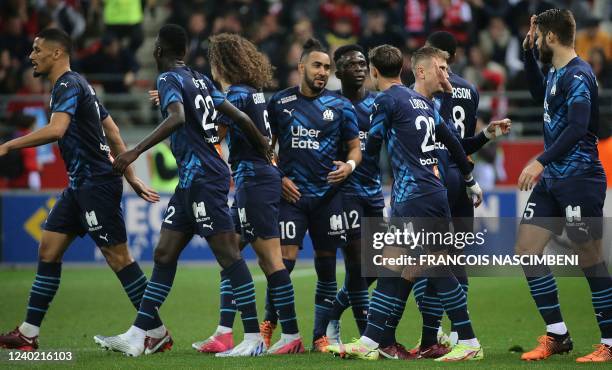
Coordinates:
239	62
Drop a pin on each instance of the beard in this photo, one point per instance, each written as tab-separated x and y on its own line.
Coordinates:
37	74
313	87
310	82
546	53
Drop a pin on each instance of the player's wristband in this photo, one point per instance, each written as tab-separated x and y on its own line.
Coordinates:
490	136
470	182
351	163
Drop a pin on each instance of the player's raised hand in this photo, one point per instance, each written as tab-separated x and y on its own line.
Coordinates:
531	35
530	174
123	160
291	193
442	77
154	97
143	190
3	150
496	129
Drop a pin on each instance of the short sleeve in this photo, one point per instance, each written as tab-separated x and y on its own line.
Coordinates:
103	112
169	88
65	97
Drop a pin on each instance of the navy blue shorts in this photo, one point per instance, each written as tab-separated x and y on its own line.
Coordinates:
322	218
256	204
428	212
356	208
461	207
94	210
574	203
200	209
433	205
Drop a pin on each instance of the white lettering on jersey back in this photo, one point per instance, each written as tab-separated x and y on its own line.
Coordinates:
461	93
418	104
259	98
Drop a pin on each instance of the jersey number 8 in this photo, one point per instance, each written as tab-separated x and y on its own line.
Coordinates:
459	117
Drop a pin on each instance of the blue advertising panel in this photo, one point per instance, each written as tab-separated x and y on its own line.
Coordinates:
23	216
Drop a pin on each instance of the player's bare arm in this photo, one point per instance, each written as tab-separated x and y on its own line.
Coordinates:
344	169
52	132
117	147
176	117
291	193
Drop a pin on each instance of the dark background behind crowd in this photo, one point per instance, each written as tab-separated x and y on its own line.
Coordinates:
108	33
114	39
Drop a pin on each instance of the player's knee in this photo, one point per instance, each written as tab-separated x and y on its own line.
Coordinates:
324	253
266	266
163	256
227	256
289	252
48	254
270	265
522	249
524	245
117	257
352	259
590	253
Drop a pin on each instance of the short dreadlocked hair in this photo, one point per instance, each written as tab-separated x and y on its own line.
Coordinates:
173	40
344	49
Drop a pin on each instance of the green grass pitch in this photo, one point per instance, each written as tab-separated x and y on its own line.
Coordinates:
90	301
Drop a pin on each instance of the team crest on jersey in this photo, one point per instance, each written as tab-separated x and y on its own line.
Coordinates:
553	90
328	115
